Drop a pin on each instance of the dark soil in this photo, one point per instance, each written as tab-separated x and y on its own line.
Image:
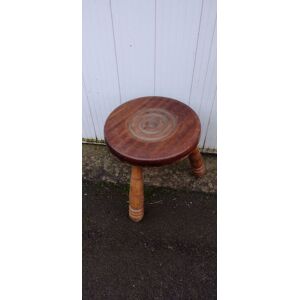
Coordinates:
170	254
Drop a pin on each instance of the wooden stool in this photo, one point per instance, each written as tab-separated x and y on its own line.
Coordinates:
152	131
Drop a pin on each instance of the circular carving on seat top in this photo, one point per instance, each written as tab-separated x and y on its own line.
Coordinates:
152	131
152	124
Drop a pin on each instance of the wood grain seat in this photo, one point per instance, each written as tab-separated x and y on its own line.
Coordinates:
152	131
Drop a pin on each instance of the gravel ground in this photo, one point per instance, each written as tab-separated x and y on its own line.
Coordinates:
98	164
171	254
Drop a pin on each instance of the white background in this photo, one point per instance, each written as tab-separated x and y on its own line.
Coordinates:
258	146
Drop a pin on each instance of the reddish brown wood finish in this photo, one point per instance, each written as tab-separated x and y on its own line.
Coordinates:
152	131
197	163
136	194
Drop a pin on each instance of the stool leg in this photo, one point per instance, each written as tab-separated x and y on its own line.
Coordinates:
197	163
136	194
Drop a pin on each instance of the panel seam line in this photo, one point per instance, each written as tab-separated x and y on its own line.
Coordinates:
115	49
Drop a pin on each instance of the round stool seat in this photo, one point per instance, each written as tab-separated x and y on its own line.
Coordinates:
152	131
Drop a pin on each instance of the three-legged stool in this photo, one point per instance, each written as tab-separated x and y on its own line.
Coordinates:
152	131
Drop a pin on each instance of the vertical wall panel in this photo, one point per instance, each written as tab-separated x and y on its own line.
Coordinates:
209	91
205	72
204	48
99	61
211	134
177	25
205	76
88	127
134	35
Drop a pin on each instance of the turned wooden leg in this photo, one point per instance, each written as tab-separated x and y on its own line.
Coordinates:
136	194
197	163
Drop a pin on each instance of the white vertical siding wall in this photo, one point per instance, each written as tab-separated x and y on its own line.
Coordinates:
134	48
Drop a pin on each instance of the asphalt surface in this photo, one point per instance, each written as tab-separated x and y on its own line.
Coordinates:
171	254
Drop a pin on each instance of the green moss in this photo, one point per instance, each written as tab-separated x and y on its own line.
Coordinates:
93	141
